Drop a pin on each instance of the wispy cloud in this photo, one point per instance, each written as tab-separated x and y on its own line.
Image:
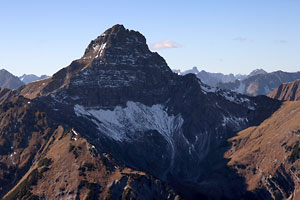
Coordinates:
281	41
165	44
240	39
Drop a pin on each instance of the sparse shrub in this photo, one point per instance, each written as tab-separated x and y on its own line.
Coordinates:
93	189
44	169
44	162
296	132
81	171
89	166
76	154
23	189
71	148
295	155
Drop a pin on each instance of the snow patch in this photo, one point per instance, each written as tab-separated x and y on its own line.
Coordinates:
75	98
228	95
236	122
73	131
99	49
231	96
241	88
208	89
11	159
122	123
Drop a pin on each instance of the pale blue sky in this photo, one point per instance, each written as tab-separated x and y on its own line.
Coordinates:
218	35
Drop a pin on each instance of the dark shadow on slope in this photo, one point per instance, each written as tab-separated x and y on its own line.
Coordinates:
218	181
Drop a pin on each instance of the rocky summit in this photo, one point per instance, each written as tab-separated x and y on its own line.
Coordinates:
118	123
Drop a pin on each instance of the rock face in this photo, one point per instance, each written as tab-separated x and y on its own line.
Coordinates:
9	81
287	91
28	78
124	100
260	84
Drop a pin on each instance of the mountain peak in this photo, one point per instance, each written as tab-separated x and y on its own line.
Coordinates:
118	57
195	69
257	71
8	80
118	45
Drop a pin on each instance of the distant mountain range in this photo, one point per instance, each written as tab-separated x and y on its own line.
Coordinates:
213	79
28	78
10	81
260	84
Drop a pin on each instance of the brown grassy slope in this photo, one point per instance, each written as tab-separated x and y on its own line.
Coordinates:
268	155
32	90
24	130
71	168
287	91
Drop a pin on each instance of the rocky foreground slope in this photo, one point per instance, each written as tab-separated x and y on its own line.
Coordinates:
119	123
